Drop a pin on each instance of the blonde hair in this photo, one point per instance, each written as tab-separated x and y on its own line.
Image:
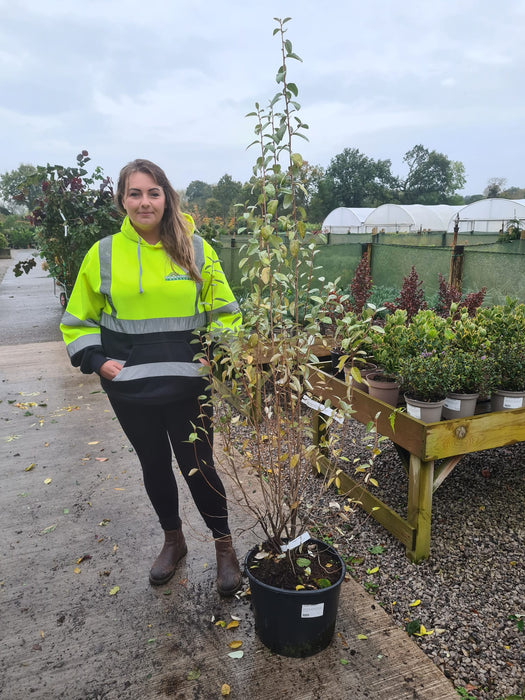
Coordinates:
174	228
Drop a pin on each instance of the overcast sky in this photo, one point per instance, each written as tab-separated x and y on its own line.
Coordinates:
172	81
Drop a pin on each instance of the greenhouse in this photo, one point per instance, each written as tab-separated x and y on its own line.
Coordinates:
346	220
393	218
489	215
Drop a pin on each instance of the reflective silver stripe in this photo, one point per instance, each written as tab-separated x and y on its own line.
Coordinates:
85	341
161	369
153	325
231	308
104	257
70	320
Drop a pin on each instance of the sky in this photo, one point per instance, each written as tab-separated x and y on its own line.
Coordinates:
173	80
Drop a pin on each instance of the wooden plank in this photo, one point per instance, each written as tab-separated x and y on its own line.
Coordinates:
473	434
379	510
408	432
441	472
420	483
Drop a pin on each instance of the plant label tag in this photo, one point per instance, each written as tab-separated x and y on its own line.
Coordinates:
295	543
414	411
311	403
512	401
452	404
312	610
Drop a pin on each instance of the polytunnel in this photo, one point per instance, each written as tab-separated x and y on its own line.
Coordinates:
410	218
346	220
489	215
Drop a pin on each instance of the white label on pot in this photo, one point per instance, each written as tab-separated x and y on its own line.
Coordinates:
414	411
452	404
312	610
295	543
512	401
308	401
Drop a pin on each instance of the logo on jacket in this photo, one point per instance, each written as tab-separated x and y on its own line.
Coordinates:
173	277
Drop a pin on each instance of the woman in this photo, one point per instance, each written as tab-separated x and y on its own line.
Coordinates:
133	317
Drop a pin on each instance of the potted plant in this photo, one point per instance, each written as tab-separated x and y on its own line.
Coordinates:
299	575
383	384
471	375
425	380
509	381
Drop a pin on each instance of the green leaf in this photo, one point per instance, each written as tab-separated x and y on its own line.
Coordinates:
303	562
323	583
194	675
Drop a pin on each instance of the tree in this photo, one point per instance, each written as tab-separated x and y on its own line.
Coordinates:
494	187
15	191
359	181
227	191
514	193
432	177
198	192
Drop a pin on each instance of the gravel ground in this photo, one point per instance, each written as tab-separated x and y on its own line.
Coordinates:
472	588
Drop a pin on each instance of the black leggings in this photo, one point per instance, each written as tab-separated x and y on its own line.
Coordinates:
154	431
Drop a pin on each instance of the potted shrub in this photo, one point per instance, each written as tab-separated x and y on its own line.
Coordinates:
301	576
509	380
425	379
471	375
384	384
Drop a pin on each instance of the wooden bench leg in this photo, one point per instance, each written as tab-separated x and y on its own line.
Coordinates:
419	515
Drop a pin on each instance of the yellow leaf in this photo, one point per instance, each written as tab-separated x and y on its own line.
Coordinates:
114	590
76	570
235	644
414	603
47	481
373	482
361	636
232	624
193	471
220	623
299	587
265	275
93	443
28	469
423	631
225	689
373	571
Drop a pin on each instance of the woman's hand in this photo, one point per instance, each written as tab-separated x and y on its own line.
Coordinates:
110	369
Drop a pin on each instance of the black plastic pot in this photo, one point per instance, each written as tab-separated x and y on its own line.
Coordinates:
295	623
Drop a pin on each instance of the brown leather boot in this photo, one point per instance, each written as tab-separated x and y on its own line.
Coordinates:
165	564
228	570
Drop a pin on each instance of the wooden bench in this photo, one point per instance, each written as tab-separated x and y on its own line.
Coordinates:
430	451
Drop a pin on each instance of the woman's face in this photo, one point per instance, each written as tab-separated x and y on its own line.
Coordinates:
144	202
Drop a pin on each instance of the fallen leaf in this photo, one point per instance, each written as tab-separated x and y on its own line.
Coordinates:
361	636
47	481
373	571
95	442
101	459
225	689
344	662
423	631
76	570
234	617
28	469
114	590
414	603
220	623
232	624
194	675
236	644
236	654
48	529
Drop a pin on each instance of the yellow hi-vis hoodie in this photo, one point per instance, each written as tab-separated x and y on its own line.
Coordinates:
133	304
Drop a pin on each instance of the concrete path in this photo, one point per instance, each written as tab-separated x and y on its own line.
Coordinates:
78	618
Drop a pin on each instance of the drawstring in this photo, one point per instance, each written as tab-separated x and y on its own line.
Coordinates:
140	267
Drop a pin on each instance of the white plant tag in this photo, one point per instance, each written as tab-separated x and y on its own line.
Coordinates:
295	543
452	404
512	401
308	401
414	411
312	610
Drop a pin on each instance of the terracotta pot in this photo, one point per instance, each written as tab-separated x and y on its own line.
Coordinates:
459	405
426	411
502	400
382	387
